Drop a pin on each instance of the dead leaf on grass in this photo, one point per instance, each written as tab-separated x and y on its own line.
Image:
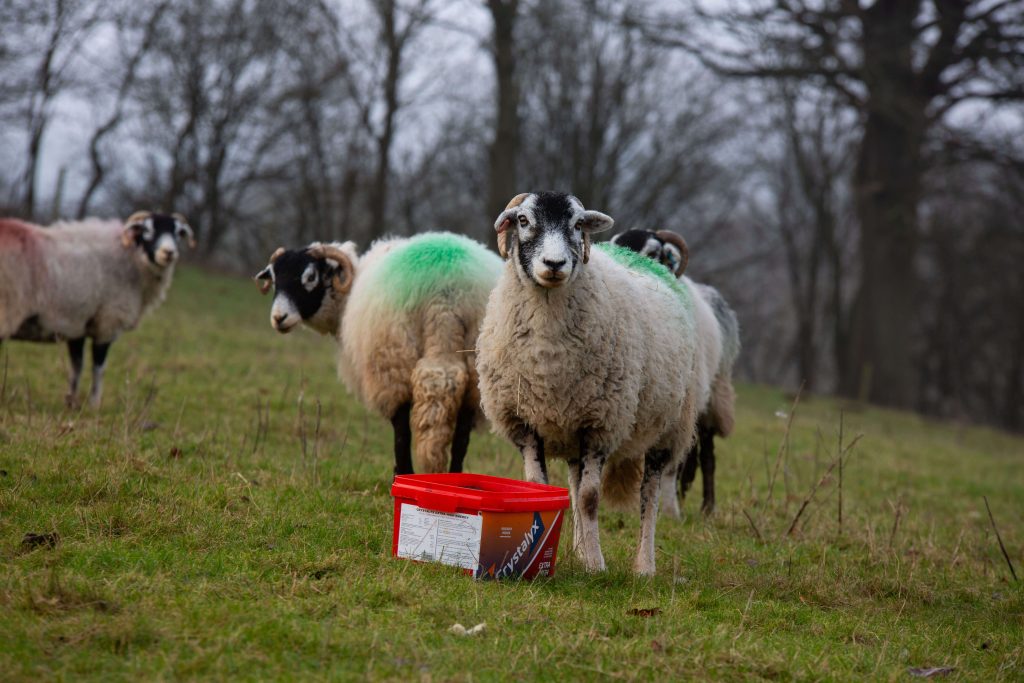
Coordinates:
645	612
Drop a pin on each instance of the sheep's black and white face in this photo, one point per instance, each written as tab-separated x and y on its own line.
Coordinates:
651	245
303	281
547	234
158	236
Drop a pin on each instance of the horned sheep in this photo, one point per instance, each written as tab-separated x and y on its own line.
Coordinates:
719	342
406	315
587	355
85	279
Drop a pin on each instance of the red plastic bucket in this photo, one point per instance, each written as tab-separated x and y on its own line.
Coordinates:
492	527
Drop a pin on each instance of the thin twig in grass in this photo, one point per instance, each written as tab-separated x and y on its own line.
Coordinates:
783	445
898	512
810	496
839	509
316	443
753	526
1000	539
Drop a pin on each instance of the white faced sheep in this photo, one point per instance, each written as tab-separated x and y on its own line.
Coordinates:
406	315
587	355
82	279
719	337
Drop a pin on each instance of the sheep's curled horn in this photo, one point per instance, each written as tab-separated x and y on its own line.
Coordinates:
188	228
679	243
501	227
128	234
341	286
266	284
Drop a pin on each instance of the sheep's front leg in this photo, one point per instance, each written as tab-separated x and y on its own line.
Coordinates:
403	439
76	352
650	489
99	362
669	503
531	447
585	490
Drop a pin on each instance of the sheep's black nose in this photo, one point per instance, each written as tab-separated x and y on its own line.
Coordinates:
280	318
554	265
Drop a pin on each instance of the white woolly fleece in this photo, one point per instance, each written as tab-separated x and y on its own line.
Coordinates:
612	353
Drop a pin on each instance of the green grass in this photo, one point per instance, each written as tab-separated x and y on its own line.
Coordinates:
198	538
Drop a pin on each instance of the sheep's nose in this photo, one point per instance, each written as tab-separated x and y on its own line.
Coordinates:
553	265
280	317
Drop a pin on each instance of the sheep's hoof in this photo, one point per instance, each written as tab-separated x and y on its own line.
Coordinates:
95	401
71	401
644	566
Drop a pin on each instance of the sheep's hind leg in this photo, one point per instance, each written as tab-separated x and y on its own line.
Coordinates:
403	439
650	489
688	470
460	442
99	362
586	474
707	467
76	352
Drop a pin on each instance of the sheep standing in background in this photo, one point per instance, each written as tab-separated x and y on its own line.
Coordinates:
721	335
406	315
82	279
587	355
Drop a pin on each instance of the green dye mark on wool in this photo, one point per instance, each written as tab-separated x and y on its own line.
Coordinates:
432	265
647	266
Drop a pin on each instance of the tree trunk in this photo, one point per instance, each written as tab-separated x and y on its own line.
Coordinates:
505	146
887	187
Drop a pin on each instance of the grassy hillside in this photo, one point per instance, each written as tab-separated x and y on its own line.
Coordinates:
226	515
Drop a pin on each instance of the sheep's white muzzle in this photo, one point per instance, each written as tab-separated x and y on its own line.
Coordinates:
283	316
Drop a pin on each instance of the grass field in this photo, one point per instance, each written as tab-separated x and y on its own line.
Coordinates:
226	514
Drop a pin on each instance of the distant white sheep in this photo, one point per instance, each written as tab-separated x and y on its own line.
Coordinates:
85	279
588	355
406	315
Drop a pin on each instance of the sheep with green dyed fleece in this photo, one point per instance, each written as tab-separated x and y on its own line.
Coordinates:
406	316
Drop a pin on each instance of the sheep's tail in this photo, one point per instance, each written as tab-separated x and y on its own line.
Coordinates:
440	381
438	386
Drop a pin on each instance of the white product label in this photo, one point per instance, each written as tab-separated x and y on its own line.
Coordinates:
446	537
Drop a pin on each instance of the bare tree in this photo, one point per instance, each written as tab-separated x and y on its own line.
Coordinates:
905	64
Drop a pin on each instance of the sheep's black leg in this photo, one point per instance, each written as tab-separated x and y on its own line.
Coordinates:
403	439
655	461
460	442
707	467
688	470
76	350
99	362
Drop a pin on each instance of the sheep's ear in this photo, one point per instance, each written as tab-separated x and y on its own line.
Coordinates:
264	280
132	227
183	226
344	274
504	221
595	221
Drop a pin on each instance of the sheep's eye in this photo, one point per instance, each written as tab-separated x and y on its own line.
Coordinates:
579	225
523	220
